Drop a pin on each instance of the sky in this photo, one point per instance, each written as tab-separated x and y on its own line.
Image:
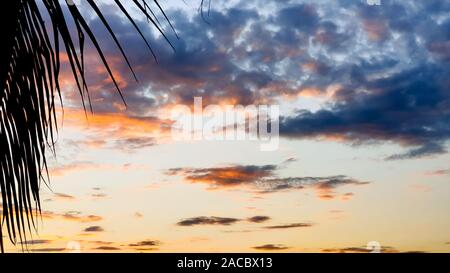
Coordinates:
364	132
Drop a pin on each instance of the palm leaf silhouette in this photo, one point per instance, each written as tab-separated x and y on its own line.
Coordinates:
29	75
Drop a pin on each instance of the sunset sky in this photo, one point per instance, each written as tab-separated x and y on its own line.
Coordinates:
363	154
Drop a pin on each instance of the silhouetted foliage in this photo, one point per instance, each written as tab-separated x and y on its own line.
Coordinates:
29	73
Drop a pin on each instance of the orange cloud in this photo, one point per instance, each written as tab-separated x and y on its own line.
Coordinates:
376	30
62	170
72	216
225	176
263	180
118	124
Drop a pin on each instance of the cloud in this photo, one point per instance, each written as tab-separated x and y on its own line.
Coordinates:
289	226
263	179
421	188
347	196
138	215
73	216
63	196
108	248
203	220
146	249
383	249
428	149
195	64
63	169
99	195
37	242
222	221
290	160
238	231
225	176
77	216
48	249
258	219
80	166
326	188
382	71
408	108
442	172
199	65
271	247
94	229
116	130
100	242
135	143
145	243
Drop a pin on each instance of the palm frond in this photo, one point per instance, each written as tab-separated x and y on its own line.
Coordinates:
29	75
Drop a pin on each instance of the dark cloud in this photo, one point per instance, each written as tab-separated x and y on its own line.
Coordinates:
203	220
145	243
383	249
134	143
37	242
388	64
298	23
101	242
271	247
94	229
263	179
325	187
288	226
409	108
197	67
226	176
108	248
146	249
428	149
258	219
48	249
208	61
